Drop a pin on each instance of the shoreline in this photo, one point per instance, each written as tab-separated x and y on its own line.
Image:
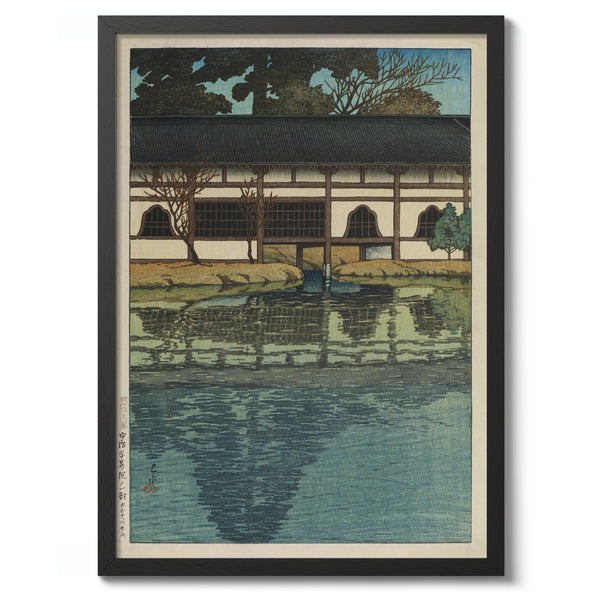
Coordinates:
166	275
384	268
152	275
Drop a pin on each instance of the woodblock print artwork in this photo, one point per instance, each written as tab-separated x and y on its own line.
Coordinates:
309	380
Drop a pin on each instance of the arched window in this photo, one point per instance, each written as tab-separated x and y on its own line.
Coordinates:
362	223
156	223
427	220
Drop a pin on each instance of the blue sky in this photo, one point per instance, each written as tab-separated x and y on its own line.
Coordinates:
453	94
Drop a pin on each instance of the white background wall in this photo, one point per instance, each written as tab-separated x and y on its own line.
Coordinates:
48	470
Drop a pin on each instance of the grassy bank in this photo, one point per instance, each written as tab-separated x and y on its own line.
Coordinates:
165	275
398	268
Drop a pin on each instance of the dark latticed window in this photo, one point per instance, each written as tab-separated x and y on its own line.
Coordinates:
362	223
296	219
156	223
220	219
427	221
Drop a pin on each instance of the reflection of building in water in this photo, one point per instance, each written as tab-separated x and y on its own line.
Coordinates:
374	325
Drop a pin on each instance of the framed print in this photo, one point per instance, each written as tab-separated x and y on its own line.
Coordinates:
301	295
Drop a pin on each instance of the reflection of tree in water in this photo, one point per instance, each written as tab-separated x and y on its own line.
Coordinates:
453	307
360	322
249	446
425	319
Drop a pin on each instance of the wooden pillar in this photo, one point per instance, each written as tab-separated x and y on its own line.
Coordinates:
191	223
260	225
466	200
362	253
396	172
328	172
299	256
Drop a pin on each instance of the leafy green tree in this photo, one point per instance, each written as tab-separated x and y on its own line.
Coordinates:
298	99
464	232
446	233
173	86
410	101
452	232
278	78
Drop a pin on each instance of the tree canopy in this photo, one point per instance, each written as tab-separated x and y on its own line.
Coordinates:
452	232
464	231
359	80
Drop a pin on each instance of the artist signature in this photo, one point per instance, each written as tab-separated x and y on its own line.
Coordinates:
151	487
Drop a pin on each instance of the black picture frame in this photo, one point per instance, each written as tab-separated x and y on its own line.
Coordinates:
109	27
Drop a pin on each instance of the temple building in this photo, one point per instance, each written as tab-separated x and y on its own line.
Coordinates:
378	183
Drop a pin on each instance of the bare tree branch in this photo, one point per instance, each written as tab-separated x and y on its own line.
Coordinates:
256	209
177	186
359	93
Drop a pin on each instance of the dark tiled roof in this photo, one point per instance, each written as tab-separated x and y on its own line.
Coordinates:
301	139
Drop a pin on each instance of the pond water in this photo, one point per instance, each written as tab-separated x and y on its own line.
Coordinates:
326	412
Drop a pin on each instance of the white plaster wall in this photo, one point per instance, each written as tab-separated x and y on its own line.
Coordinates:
426	192
235	174
158	249
341	210
361	192
224	249
410	211
297	192
218	192
283	174
143	192
146	192
421	251
346	176
446	176
137	173
378	176
308	174
415	176
136	210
